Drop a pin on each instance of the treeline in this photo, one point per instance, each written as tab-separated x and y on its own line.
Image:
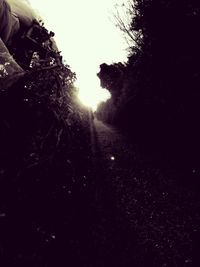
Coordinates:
156	94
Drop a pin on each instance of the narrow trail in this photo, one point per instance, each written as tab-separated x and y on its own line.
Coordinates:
119	210
142	217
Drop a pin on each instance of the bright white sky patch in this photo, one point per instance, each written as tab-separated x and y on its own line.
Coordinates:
91	98
87	38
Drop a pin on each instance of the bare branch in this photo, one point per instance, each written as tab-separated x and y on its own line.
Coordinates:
123	17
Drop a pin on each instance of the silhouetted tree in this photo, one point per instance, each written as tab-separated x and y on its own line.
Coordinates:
160	84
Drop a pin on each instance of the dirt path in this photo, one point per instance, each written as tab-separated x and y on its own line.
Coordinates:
116	211
153	220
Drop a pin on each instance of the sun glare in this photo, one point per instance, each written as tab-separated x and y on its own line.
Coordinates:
93	97
86	37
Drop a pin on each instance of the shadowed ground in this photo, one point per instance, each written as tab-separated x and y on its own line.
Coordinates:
156	217
124	212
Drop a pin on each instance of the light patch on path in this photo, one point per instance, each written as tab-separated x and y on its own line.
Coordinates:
107	136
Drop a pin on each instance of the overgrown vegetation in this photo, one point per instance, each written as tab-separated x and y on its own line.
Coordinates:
44	161
155	95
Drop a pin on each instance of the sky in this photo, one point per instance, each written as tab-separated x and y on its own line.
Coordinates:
87	36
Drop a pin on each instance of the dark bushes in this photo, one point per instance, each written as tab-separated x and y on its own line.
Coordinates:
158	101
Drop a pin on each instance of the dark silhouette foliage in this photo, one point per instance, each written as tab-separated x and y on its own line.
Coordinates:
156	98
44	155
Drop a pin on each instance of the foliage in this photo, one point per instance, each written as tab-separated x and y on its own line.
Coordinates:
44	140
160	84
39	116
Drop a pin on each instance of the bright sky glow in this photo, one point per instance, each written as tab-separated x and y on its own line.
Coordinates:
87	37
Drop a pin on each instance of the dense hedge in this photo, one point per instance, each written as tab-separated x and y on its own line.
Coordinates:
44	164
155	95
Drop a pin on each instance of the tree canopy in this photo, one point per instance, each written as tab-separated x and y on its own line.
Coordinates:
156	93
